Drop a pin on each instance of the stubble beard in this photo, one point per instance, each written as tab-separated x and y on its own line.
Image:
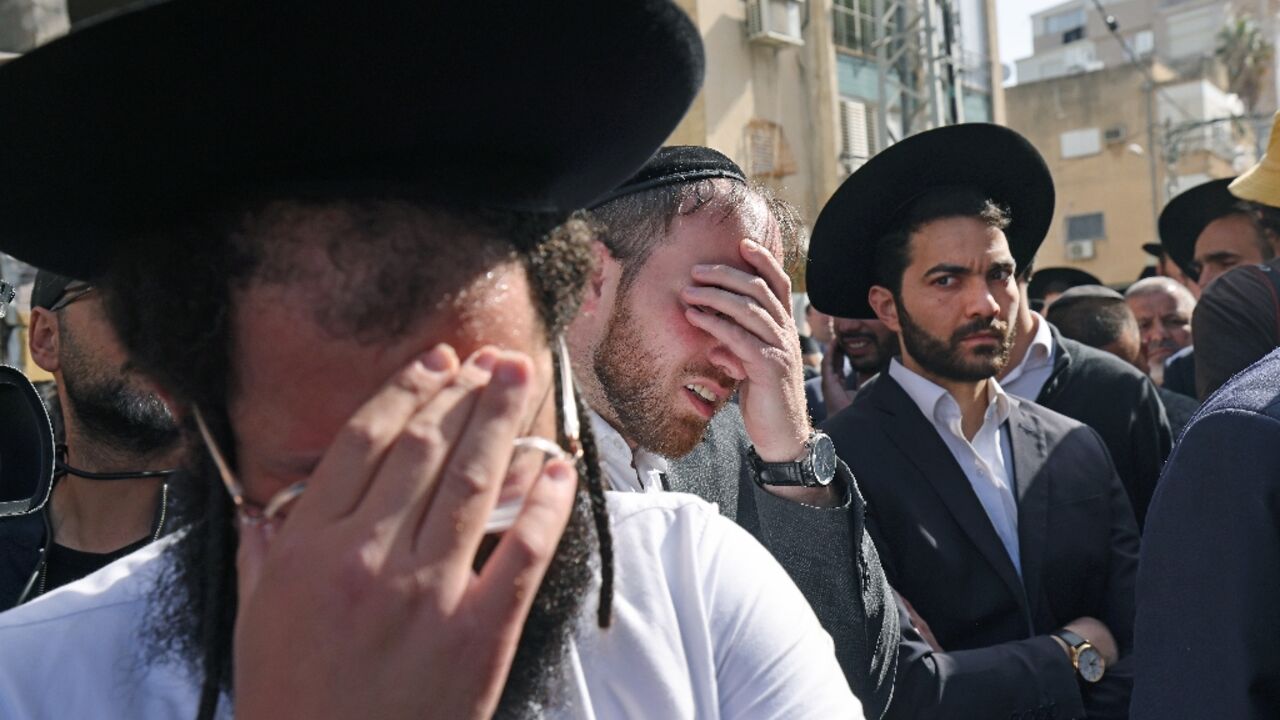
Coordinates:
946	359
110	408
642	403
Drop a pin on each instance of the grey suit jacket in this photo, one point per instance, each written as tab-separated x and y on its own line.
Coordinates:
827	552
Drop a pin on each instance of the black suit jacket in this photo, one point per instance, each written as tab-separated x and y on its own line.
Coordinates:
1208	611
827	552
1078	547
1114	398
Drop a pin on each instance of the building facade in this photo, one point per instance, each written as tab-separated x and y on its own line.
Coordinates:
1128	118
803	108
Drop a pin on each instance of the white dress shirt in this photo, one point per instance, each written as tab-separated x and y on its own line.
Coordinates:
706	625
626	470
987	460
1028	378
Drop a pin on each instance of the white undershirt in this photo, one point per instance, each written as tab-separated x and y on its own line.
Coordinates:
986	460
626	471
1027	379
706	625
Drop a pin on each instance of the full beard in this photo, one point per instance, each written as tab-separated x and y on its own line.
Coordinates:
109	408
641	404
946	358
193	604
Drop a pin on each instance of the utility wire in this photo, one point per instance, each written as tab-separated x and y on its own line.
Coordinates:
1114	28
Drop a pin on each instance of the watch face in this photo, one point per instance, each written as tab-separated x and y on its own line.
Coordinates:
824	458
1090	664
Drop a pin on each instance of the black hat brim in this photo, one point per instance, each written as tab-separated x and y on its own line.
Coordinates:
527	106
1188	214
994	160
1069	276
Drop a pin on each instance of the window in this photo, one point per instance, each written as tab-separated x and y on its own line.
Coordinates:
1085	227
1081	143
1064	21
1143	42
1073	35
853	25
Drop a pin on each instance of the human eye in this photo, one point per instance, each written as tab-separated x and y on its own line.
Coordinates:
945	281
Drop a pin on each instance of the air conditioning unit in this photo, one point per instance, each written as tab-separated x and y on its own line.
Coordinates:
774	22
1080	250
855	136
1114	134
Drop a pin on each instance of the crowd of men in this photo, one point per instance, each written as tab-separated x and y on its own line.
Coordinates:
356	422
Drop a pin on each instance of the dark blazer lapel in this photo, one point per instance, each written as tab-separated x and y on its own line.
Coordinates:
1031	485
918	441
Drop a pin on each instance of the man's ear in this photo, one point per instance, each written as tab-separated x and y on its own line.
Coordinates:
43	340
885	307
604	275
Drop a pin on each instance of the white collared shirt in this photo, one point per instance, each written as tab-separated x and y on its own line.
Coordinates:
706	626
987	460
626	471
1028	378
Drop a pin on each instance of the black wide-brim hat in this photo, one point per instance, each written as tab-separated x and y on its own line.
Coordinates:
540	106
994	160
1071	277
1188	214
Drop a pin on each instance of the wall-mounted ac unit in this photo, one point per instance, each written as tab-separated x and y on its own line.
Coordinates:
774	22
1080	250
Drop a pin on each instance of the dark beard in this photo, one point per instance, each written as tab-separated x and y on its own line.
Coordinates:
873	364
192	610
623	364
945	358
111	410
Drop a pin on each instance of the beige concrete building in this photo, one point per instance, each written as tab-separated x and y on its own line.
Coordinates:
1123	136
802	109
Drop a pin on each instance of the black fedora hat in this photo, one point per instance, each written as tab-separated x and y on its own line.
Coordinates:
994	160
529	106
1050	279
1188	214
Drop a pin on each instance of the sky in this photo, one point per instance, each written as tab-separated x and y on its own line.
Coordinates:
1014	31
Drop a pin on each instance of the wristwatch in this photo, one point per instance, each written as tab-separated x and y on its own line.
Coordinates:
1085	657
816	467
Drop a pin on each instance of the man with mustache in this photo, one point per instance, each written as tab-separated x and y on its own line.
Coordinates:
688	309
111	494
1002	524
1163	309
867	346
351	275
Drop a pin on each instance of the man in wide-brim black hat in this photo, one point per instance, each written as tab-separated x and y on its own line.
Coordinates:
339	237
1206	231
992	515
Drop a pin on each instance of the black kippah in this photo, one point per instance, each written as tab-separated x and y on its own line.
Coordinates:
676	165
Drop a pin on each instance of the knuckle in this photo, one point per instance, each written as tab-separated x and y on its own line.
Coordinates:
469	478
360	438
424	438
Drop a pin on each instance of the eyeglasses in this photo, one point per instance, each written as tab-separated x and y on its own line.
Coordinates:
524	450
70	295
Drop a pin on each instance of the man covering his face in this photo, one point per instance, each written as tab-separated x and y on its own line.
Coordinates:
689	361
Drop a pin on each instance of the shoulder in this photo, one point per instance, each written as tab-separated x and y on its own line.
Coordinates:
1059	431
88	632
115	589
1255	391
1100	366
